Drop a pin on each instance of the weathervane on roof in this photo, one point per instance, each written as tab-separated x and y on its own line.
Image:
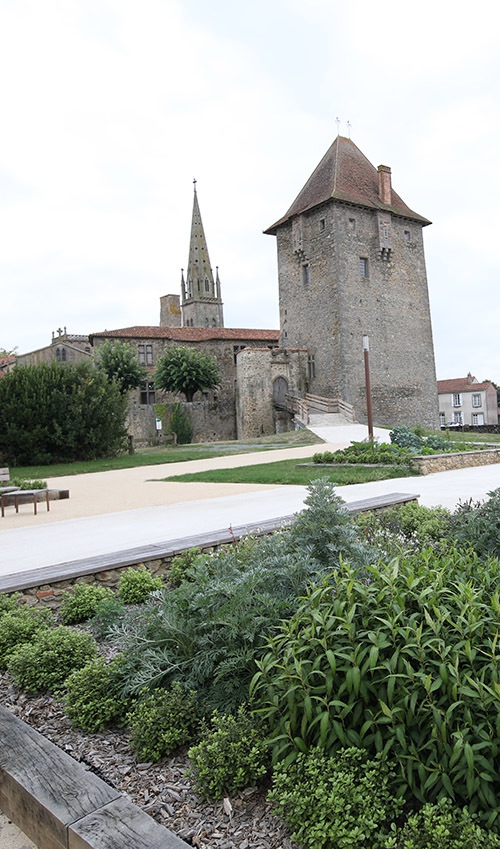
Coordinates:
349	129
337	121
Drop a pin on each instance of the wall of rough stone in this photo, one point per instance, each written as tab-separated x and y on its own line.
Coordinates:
257	373
459	460
327	305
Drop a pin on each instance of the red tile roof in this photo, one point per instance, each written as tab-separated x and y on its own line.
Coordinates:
461	384
189	334
345	174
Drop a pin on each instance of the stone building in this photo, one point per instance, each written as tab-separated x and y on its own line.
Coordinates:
64	348
351	263
194	319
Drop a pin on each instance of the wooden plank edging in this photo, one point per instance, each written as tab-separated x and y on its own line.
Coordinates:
59	804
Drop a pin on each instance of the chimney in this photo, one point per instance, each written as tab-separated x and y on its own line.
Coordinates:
384	184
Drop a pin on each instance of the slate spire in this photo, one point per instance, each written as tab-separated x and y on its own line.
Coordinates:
201	297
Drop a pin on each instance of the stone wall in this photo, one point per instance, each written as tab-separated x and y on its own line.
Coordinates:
264	377
459	460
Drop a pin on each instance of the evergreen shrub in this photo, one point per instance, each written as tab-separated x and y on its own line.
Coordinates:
181	565
135	585
163	721
442	826
20	624
181	423
344	800
45	663
232	754
405	664
81	602
93	695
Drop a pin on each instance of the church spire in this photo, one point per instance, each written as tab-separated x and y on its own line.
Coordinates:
201	298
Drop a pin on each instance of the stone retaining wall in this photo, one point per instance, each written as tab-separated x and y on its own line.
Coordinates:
458	460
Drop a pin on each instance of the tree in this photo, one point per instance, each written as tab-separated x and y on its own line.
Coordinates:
59	412
119	362
186	370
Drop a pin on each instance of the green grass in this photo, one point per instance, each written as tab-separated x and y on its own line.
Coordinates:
167	454
288	472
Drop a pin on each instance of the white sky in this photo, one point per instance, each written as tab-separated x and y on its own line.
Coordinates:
109	108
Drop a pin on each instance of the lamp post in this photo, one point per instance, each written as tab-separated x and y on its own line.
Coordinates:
366	351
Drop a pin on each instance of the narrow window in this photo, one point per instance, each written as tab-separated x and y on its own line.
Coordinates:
311	366
407	235
456	399
305	274
149	355
476	400
442	419
141	353
352	224
321	223
148	393
363	266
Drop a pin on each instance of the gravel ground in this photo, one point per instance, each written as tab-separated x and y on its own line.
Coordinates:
163	790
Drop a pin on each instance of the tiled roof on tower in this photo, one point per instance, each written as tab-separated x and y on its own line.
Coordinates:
346	175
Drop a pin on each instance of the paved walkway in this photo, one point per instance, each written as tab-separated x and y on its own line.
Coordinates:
117	510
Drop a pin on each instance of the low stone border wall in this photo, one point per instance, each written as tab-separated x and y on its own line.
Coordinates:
428	465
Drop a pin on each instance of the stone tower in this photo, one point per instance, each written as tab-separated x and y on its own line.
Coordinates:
201	297
351	262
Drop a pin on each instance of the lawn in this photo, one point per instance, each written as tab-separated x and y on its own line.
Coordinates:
167	454
291	473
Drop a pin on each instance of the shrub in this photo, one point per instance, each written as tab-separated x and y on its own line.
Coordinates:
93	695
108	613
404	664
365	452
406	438
59	412
9	602
163	721
20	624
46	662
181	423
233	754
181	564
409	527
344	800
478	525
326	531
135	585
442	826
27	484
208	632
82	602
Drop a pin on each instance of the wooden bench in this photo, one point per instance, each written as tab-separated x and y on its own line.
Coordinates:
33	495
4	475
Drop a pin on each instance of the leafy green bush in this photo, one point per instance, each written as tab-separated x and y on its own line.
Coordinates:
59	412
442	826
163	721
343	801
46	662
108	613
402	529
20	624
181	564
364	452
326	531
82	602
233	754
406	664
406	438
207	632
93	695
28	484
135	585
478	525
181	423
9	602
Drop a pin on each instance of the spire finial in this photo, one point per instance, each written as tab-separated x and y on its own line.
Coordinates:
194	184
349	129
337	121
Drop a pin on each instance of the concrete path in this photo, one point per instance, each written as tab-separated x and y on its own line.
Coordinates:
118	510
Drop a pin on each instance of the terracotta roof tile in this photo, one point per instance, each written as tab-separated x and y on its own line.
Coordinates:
189	334
345	174
461	384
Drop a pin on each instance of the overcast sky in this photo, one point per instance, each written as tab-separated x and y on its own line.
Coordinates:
110	108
